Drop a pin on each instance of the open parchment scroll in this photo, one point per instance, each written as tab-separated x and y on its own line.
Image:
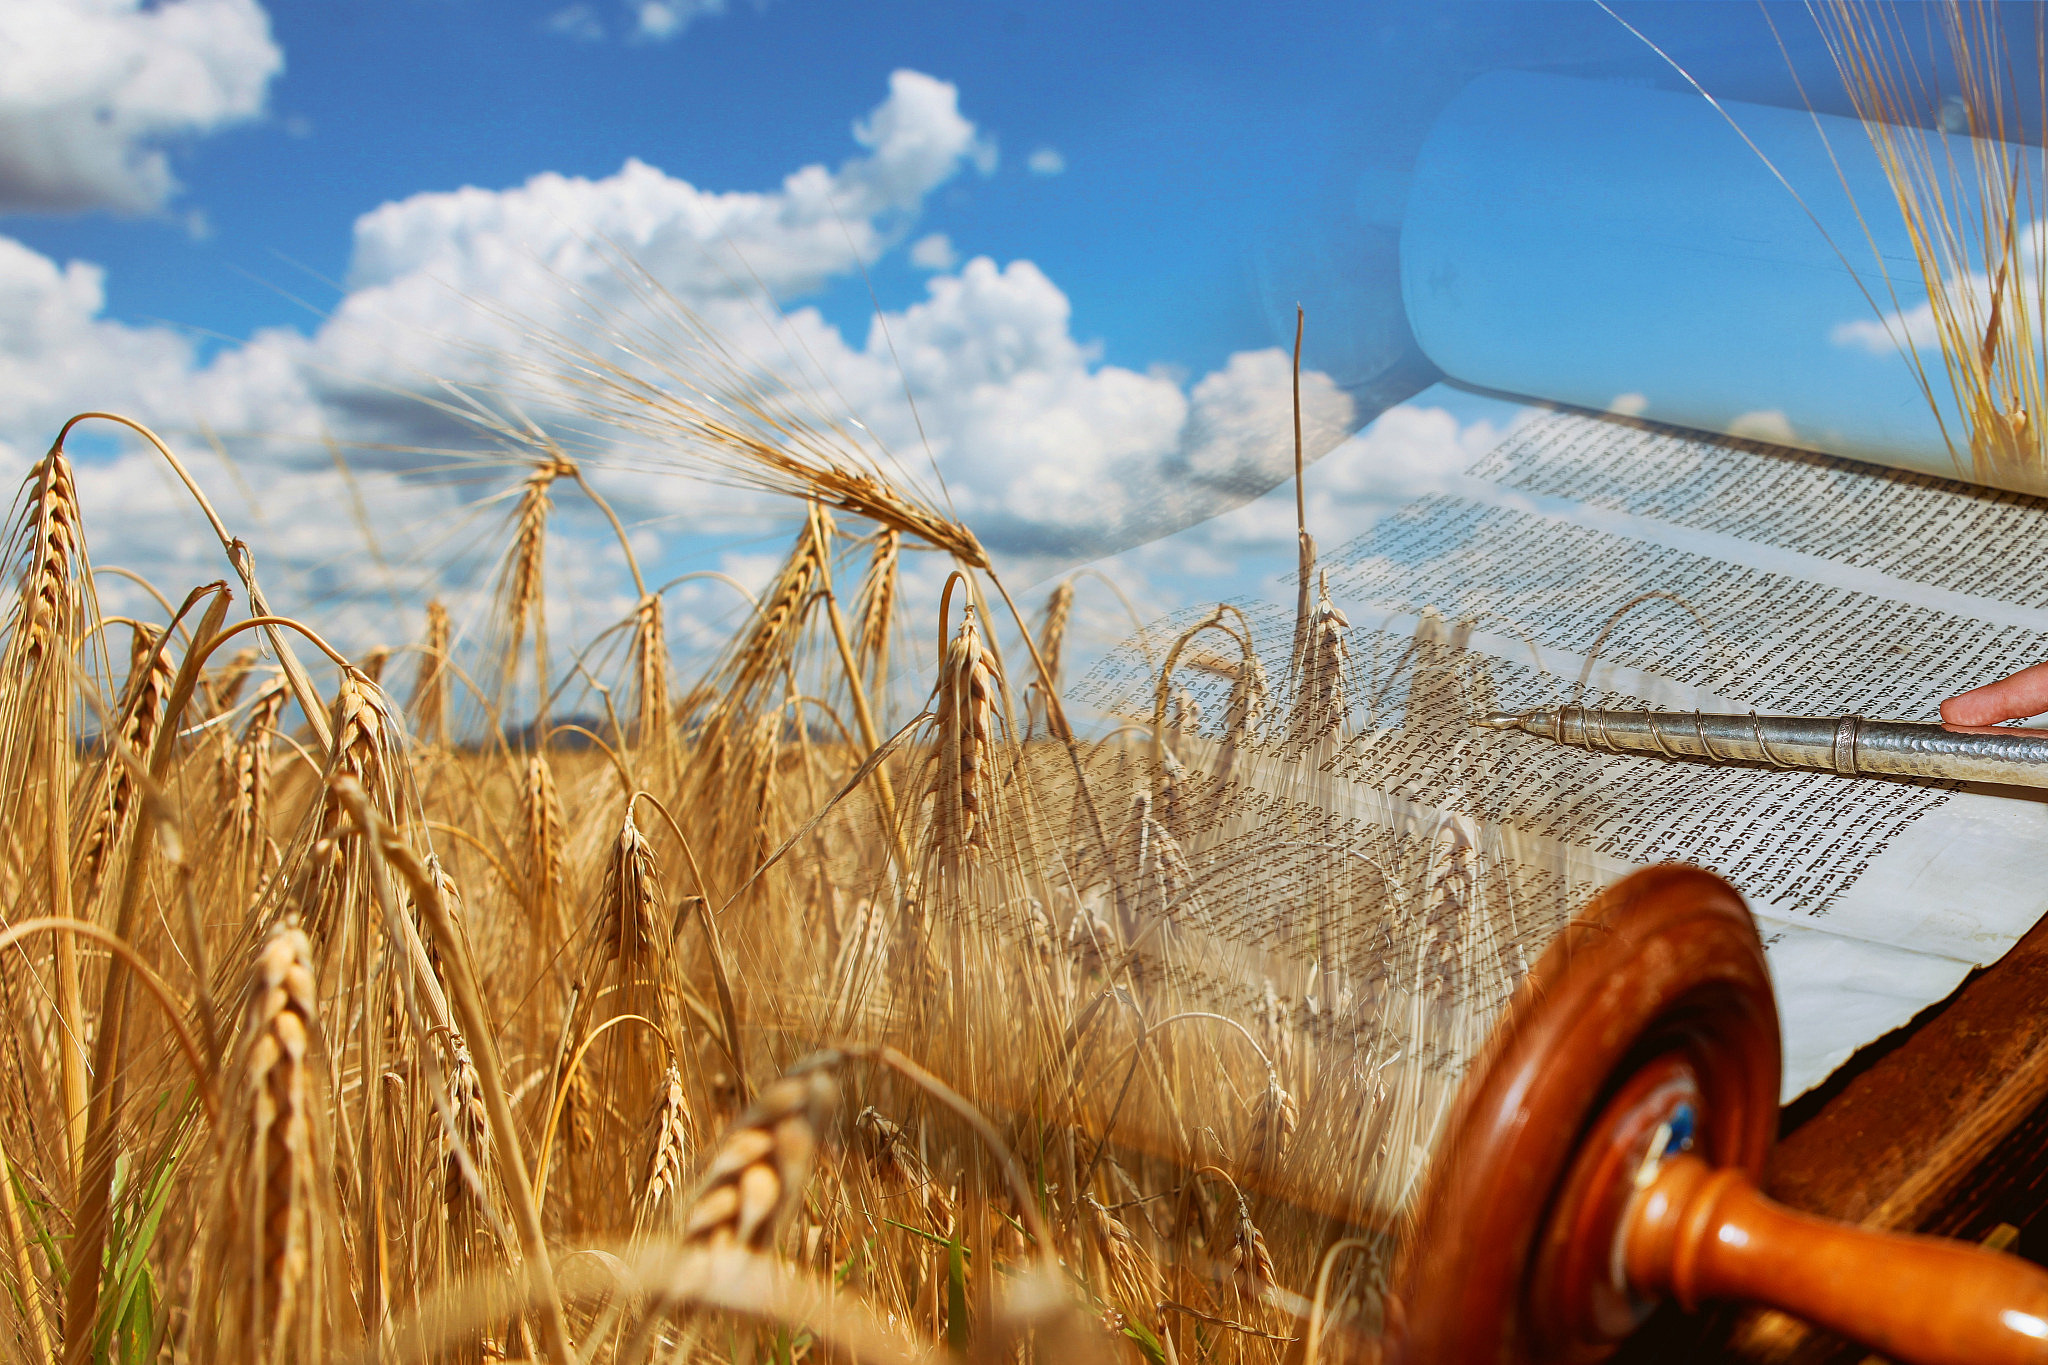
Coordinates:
1763	579
1826	587
1586	245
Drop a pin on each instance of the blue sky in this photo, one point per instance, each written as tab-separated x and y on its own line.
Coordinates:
1209	150
1089	231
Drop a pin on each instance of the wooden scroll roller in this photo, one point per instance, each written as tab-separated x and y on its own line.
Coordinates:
1605	1153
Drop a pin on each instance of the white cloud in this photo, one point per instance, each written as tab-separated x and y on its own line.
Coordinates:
1629	405
426	274
91	89
1409	451
933	251
528	241
579	22
917	136
643	21
1050	453
1045	161
54	349
657	20
1768	424
1967	298
1249	551
1883	336
1241	432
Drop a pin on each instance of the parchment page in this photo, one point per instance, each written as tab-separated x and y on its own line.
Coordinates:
1724	576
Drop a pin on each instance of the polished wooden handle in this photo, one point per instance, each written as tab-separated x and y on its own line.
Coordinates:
1698	1233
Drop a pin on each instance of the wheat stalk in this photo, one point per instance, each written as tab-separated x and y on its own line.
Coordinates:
889	1151
1273	1121
767	645
149	685
1319	704
541	824
48	617
521	598
465	1165
739	423
1978	262
246	777
1250	1263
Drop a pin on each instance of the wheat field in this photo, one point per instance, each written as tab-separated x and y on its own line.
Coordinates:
372	1009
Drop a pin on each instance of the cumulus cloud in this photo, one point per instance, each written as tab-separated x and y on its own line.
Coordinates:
90	90
1045	161
1249	551
1050	453
933	251
526	241
1412	449
639	21
55	349
1240	431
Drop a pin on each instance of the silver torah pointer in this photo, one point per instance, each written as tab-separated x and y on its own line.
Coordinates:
1849	745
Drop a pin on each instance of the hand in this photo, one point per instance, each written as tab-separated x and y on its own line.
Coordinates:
2024	694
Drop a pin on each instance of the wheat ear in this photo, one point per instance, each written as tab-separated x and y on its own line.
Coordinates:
966	723
225	688
429	704
1251	1265
1052	642
757	1177
874	610
274	1153
467	1131
469	1009
1319	700
669	1157
628	918
652	724
48	622
1128	1275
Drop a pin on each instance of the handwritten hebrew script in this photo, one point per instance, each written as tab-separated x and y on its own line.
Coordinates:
1707	573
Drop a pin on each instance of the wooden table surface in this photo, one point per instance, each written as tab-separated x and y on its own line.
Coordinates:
1941	1127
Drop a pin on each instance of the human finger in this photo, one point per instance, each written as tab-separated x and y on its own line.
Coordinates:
2025	693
